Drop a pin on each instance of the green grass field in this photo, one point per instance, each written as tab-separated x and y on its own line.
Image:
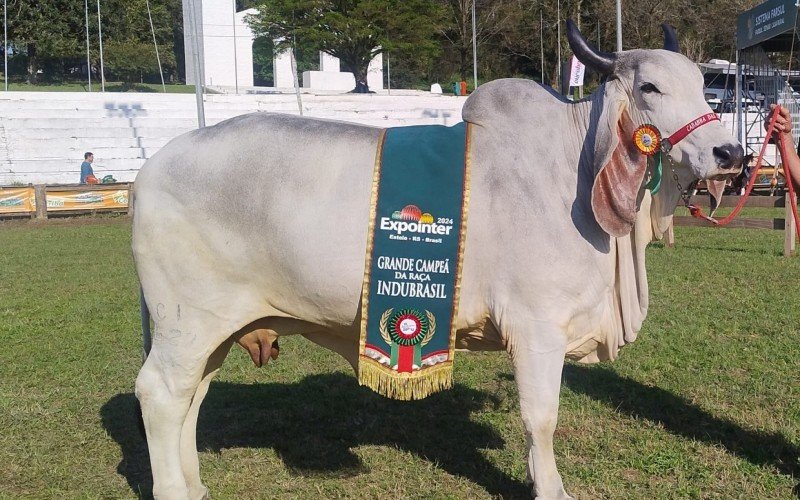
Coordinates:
706	404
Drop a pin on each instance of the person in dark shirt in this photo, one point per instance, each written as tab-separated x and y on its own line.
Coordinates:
86	167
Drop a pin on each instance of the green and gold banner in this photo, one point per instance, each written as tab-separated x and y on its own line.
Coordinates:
415	246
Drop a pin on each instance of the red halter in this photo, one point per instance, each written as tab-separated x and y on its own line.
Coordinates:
669	142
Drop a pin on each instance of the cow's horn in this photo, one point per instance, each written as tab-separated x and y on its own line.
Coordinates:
670	38
600	62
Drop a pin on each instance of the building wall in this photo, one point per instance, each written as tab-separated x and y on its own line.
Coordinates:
227	43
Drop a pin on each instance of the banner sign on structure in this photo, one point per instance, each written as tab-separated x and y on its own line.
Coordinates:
413	263
764	22
17	200
87	200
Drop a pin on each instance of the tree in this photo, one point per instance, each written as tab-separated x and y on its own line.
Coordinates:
355	31
44	30
128	41
491	16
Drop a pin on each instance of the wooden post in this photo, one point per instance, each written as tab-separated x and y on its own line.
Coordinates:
41	201
670	235
130	199
789	229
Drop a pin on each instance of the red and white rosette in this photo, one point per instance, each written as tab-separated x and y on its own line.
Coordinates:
647	139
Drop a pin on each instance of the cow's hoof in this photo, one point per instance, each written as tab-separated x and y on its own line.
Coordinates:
561	496
200	494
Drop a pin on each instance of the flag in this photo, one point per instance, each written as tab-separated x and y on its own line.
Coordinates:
576	72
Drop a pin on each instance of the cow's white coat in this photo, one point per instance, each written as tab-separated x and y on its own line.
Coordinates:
266	216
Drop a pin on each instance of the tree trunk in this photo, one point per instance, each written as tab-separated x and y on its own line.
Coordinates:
360	73
33	64
463	68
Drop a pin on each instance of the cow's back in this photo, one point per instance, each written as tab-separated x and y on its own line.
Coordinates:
274	205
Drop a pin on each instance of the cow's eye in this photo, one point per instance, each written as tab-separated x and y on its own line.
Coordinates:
649	88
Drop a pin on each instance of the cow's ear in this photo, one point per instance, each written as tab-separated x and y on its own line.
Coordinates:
620	171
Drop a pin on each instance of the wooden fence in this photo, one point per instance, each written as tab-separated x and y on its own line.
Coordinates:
41	201
785	224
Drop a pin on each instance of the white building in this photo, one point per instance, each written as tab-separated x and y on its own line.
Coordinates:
226	52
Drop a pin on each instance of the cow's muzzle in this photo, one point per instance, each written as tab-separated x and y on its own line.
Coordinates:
729	156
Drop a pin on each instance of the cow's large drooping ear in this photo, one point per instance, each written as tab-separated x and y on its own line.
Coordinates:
620	171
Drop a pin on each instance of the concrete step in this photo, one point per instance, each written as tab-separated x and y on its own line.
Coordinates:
96	132
84	144
71	166
56	177
26	153
105	122
77	115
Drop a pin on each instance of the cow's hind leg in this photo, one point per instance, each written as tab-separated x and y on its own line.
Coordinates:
189	459
166	385
538	350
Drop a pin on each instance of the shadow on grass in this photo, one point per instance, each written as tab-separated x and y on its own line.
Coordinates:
682	417
314	424
731	249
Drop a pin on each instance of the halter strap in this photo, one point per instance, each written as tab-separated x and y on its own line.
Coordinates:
669	142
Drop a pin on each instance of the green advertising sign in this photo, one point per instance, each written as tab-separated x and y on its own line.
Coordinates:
764	22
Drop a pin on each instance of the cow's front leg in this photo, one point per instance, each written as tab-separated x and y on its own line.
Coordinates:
537	350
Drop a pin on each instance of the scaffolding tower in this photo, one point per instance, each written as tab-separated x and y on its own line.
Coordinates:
766	41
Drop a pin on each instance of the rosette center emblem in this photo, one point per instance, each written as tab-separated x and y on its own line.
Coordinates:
408	327
647	139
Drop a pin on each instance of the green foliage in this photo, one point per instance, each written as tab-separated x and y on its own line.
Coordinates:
48	38
132	60
427	40
352	30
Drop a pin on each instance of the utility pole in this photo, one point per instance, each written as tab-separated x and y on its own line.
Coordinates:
619	25
235	59
100	36
558	24
198	71
5	41
474	49
155	44
541	40
88	59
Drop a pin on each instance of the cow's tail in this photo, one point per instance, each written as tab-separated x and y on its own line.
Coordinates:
147	339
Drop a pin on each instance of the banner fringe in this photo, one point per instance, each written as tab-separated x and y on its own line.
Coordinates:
404	386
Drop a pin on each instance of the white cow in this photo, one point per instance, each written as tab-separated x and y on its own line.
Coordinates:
257	227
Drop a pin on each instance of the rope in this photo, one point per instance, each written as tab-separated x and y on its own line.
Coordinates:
698	213
155	44
790	184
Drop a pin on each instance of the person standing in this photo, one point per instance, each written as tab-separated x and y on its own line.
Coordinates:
783	126
87	173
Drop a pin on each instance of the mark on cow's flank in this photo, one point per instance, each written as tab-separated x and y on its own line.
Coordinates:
173	336
160	310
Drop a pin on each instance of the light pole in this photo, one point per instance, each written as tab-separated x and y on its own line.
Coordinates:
197	60
558	35
474	49
235	58
155	44
100	36
5	41
88	59
619	25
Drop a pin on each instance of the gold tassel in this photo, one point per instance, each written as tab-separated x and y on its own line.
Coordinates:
404	386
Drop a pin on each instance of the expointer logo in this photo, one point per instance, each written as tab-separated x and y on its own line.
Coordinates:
413	220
